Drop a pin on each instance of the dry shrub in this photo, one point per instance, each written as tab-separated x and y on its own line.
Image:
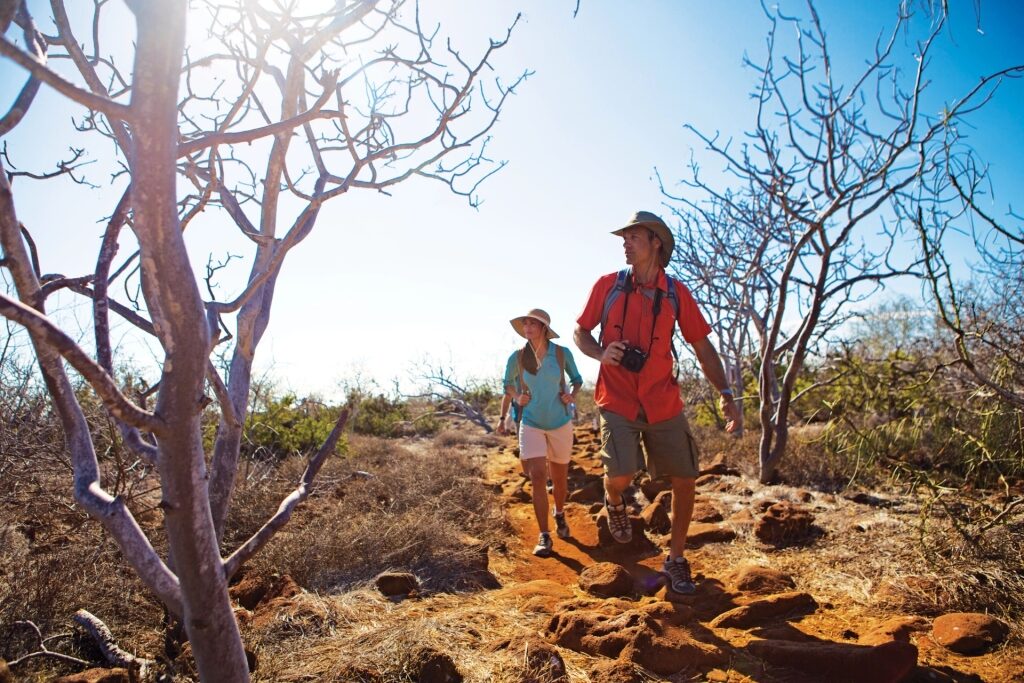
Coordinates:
383	506
451	438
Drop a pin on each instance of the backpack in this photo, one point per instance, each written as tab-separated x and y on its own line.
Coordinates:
624	284
517	410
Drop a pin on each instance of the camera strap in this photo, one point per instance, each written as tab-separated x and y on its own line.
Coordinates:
656	310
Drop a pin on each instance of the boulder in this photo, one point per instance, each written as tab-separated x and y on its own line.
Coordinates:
396	583
784	523
968	633
590	492
840	662
607	580
752	578
765	609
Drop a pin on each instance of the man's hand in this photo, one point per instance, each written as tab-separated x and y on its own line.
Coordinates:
613	353
731	410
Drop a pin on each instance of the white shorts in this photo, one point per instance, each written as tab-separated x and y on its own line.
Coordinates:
554	444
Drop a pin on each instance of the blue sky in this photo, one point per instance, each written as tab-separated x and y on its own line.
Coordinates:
385	282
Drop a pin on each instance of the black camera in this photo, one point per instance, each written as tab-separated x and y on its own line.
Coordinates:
633	359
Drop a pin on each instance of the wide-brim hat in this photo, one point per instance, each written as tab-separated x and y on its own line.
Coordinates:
540	316
646	219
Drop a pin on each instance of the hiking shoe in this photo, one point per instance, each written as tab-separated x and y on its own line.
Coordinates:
550	486
561	526
543	547
618	522
678	573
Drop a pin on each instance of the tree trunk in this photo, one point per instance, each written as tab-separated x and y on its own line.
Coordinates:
173	299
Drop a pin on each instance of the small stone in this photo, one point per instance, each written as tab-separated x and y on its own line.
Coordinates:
396	583
699	534
607	580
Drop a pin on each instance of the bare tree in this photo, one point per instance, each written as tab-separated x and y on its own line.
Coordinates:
983	313
266	116
824	159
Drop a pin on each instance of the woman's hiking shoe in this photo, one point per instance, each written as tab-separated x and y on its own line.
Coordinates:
543	547
618	522
678	573
561	526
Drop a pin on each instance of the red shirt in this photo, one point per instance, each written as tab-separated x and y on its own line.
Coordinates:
654	388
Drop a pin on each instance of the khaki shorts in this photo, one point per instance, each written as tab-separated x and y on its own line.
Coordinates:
554	444
665	449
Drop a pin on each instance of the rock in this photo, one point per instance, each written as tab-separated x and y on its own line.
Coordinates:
355	672
707	480
614	671
765	609
718	465
703	511
803	496
894	629
254	589
752	578
656	517
591	492
96	676
607	580
784	523
632	636
840	662
433	666
651	488
396	583
540	660
968	633
667	612
700	534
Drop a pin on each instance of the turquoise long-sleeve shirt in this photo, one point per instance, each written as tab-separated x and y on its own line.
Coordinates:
545	410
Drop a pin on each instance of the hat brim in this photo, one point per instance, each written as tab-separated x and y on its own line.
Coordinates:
668	243
517	325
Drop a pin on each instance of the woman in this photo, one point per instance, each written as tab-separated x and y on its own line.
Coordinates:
535	382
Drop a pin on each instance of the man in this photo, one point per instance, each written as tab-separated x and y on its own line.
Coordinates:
639	397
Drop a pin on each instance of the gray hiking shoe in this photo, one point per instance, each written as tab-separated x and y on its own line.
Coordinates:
618	522
543	547
561	526
678	573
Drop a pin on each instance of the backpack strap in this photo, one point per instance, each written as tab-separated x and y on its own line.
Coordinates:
560	355
621	284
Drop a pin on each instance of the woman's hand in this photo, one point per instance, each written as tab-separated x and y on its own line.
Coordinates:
500	429
522	399
566	398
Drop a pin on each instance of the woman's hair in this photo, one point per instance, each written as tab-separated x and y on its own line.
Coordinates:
529	359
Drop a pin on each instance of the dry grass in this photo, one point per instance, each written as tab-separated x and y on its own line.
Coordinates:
373	639
384	506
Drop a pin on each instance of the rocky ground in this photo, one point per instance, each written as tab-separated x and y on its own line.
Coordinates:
792	585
